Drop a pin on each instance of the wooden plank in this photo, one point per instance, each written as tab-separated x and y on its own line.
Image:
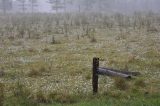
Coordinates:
102	71
124	72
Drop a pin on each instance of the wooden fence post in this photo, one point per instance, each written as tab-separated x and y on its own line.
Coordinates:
95	75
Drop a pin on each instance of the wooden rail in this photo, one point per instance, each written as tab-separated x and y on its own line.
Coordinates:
118	71
109	72
102	71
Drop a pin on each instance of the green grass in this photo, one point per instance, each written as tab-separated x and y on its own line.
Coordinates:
109	101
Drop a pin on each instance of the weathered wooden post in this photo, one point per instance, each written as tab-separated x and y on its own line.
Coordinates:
95	75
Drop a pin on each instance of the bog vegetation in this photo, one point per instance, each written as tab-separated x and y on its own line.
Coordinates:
46	59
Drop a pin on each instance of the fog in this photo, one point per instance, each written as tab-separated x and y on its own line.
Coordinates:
109	6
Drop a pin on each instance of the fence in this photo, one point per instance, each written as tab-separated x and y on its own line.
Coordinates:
109	72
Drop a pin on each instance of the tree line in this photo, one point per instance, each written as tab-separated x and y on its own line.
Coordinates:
79	5
23	5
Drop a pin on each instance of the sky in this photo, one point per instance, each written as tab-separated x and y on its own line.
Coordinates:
43	6
118	5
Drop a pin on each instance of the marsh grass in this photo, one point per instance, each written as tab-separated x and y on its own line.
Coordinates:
140	83
62	97
38	69
60	74
21	96
2	98
121	83
47	50
40	97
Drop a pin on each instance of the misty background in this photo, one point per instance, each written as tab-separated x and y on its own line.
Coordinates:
108	6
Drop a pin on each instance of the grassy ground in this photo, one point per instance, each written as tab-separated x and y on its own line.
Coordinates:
60	74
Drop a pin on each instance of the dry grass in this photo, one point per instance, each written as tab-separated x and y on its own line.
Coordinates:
47	50
1	94
38	69
62	97
140	83
67	65
40	97
121	83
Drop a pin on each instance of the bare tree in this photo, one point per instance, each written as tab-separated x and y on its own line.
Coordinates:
88	4
22	5
34	4
57	5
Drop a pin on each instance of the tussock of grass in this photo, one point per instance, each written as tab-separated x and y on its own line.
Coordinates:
116	94
38	69
22	96
2	73
34	73
47	50
121	83
88	76
140	83
93	40
20	90
1	94
41	98
32	50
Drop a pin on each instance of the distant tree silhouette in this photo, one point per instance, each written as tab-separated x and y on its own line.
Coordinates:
23	5
57	5
5	5
33	4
